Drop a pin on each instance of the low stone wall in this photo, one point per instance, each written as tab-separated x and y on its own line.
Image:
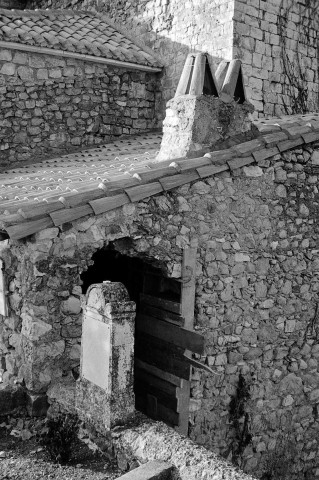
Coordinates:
156	441
143	440
51	105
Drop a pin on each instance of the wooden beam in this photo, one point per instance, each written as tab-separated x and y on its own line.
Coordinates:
162	314
168	377
188	284
200	365
156	382
159	409
161	303
187	311
170	333
162	355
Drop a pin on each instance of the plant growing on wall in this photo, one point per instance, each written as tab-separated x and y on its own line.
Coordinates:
296	71
240	420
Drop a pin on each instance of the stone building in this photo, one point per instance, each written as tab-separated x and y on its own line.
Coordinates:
240	223
276	40
70	80
252	209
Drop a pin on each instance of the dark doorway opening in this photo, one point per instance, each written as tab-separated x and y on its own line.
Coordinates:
111	264
162	338
153	294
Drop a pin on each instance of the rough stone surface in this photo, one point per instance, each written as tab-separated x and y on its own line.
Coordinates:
275	40
155	441
154	470
193	124
172	28
11	398
47	109
257	285
144	440
277	43
104	393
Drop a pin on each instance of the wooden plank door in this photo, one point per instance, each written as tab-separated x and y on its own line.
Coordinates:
164	342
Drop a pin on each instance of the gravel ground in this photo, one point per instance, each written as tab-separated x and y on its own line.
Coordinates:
23	458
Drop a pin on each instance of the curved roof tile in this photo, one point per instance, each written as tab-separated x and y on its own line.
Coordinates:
37	196
89	32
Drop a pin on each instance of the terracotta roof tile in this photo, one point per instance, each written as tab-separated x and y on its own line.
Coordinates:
50	29
63	189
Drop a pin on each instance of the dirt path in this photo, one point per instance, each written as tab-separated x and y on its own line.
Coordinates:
23	458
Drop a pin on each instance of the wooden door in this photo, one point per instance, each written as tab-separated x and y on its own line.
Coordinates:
164	343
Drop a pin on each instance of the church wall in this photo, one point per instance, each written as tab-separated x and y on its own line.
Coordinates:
257	285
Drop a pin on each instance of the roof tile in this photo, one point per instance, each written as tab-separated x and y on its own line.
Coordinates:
311	136
50	29
287	144
248	147
33	197
265	153
240	162
106	204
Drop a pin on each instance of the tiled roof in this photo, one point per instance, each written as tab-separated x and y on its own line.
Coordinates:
53	192
85	33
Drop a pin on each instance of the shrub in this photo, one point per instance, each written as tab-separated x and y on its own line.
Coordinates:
59	437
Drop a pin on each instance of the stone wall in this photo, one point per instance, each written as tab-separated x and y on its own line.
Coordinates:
18	4
172	28
257	285
51	105
275	39
277	42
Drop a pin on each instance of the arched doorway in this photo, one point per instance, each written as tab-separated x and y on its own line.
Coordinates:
162	370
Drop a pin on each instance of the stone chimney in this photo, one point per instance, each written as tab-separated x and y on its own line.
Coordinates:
206	109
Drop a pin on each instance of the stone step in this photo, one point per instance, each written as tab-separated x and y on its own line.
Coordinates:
154	470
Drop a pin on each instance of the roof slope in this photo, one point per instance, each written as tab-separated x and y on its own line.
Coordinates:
53	192
85	33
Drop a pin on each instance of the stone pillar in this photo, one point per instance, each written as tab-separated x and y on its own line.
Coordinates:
194	123
104	392
206	110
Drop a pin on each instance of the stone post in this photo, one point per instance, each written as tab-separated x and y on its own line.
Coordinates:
194	123
104	392
201	114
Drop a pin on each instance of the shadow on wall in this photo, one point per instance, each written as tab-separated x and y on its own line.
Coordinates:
145	28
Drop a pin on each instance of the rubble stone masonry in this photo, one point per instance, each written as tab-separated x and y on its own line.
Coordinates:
257	285
171	27
276	40
49	104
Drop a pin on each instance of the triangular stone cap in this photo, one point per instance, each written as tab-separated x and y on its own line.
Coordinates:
229	77
198	77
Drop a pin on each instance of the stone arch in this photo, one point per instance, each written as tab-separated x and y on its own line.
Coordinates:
143	276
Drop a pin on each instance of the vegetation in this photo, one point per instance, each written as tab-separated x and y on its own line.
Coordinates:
59	437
